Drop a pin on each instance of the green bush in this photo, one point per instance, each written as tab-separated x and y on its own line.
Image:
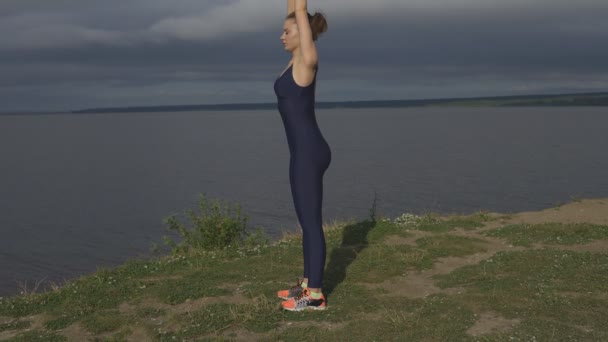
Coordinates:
215	228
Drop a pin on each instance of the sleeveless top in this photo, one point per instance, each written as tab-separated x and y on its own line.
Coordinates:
296	104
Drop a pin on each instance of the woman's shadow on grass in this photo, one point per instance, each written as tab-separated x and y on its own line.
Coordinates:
354	240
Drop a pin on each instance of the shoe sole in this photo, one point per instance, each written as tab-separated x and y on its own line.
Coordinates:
321	308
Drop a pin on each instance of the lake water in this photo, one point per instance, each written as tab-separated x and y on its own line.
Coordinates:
87	190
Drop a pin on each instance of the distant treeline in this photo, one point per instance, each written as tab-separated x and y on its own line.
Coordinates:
581	99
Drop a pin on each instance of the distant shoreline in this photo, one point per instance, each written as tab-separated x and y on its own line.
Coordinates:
540	100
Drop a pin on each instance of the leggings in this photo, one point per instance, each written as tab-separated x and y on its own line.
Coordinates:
306	179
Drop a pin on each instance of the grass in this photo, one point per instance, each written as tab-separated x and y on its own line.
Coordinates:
435	223
228	293
15	325
556	293
37	335
551	233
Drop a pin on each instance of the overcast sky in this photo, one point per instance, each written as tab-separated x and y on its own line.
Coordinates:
75	54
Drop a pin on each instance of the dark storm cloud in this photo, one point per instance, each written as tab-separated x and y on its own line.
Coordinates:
158	52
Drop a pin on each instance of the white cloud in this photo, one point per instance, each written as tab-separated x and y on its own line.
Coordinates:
244	16
52	30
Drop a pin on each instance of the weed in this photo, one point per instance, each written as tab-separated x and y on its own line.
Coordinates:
215	228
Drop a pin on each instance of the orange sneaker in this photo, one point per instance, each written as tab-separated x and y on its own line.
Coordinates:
291	292
304	301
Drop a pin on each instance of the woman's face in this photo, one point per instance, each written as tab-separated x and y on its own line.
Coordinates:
290	36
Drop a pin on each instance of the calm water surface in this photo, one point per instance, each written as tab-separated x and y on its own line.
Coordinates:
88	190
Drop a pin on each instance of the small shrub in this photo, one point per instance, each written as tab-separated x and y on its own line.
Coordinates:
256	239
215	228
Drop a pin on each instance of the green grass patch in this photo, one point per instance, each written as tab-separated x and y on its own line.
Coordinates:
104	321
102	290
38	336
378	232
450	245
436	318
534	270
175	291
149	312
15	325
211	319
61	321
377	263
434	223
446	245
555	293
121	336
455	319
260	315
550	233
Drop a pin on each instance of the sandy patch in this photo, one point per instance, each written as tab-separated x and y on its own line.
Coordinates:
6	319
75	332
584	211
139	334
317	324
396	240
5	335
241	334
189	305
490	322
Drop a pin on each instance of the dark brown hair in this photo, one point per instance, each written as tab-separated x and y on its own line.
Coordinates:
317	21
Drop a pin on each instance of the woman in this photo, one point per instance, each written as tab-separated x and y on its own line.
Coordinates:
309	152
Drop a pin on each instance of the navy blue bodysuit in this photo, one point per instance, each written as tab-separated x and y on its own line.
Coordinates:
310	156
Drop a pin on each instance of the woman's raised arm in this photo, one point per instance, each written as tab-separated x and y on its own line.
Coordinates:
291	6
307	45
